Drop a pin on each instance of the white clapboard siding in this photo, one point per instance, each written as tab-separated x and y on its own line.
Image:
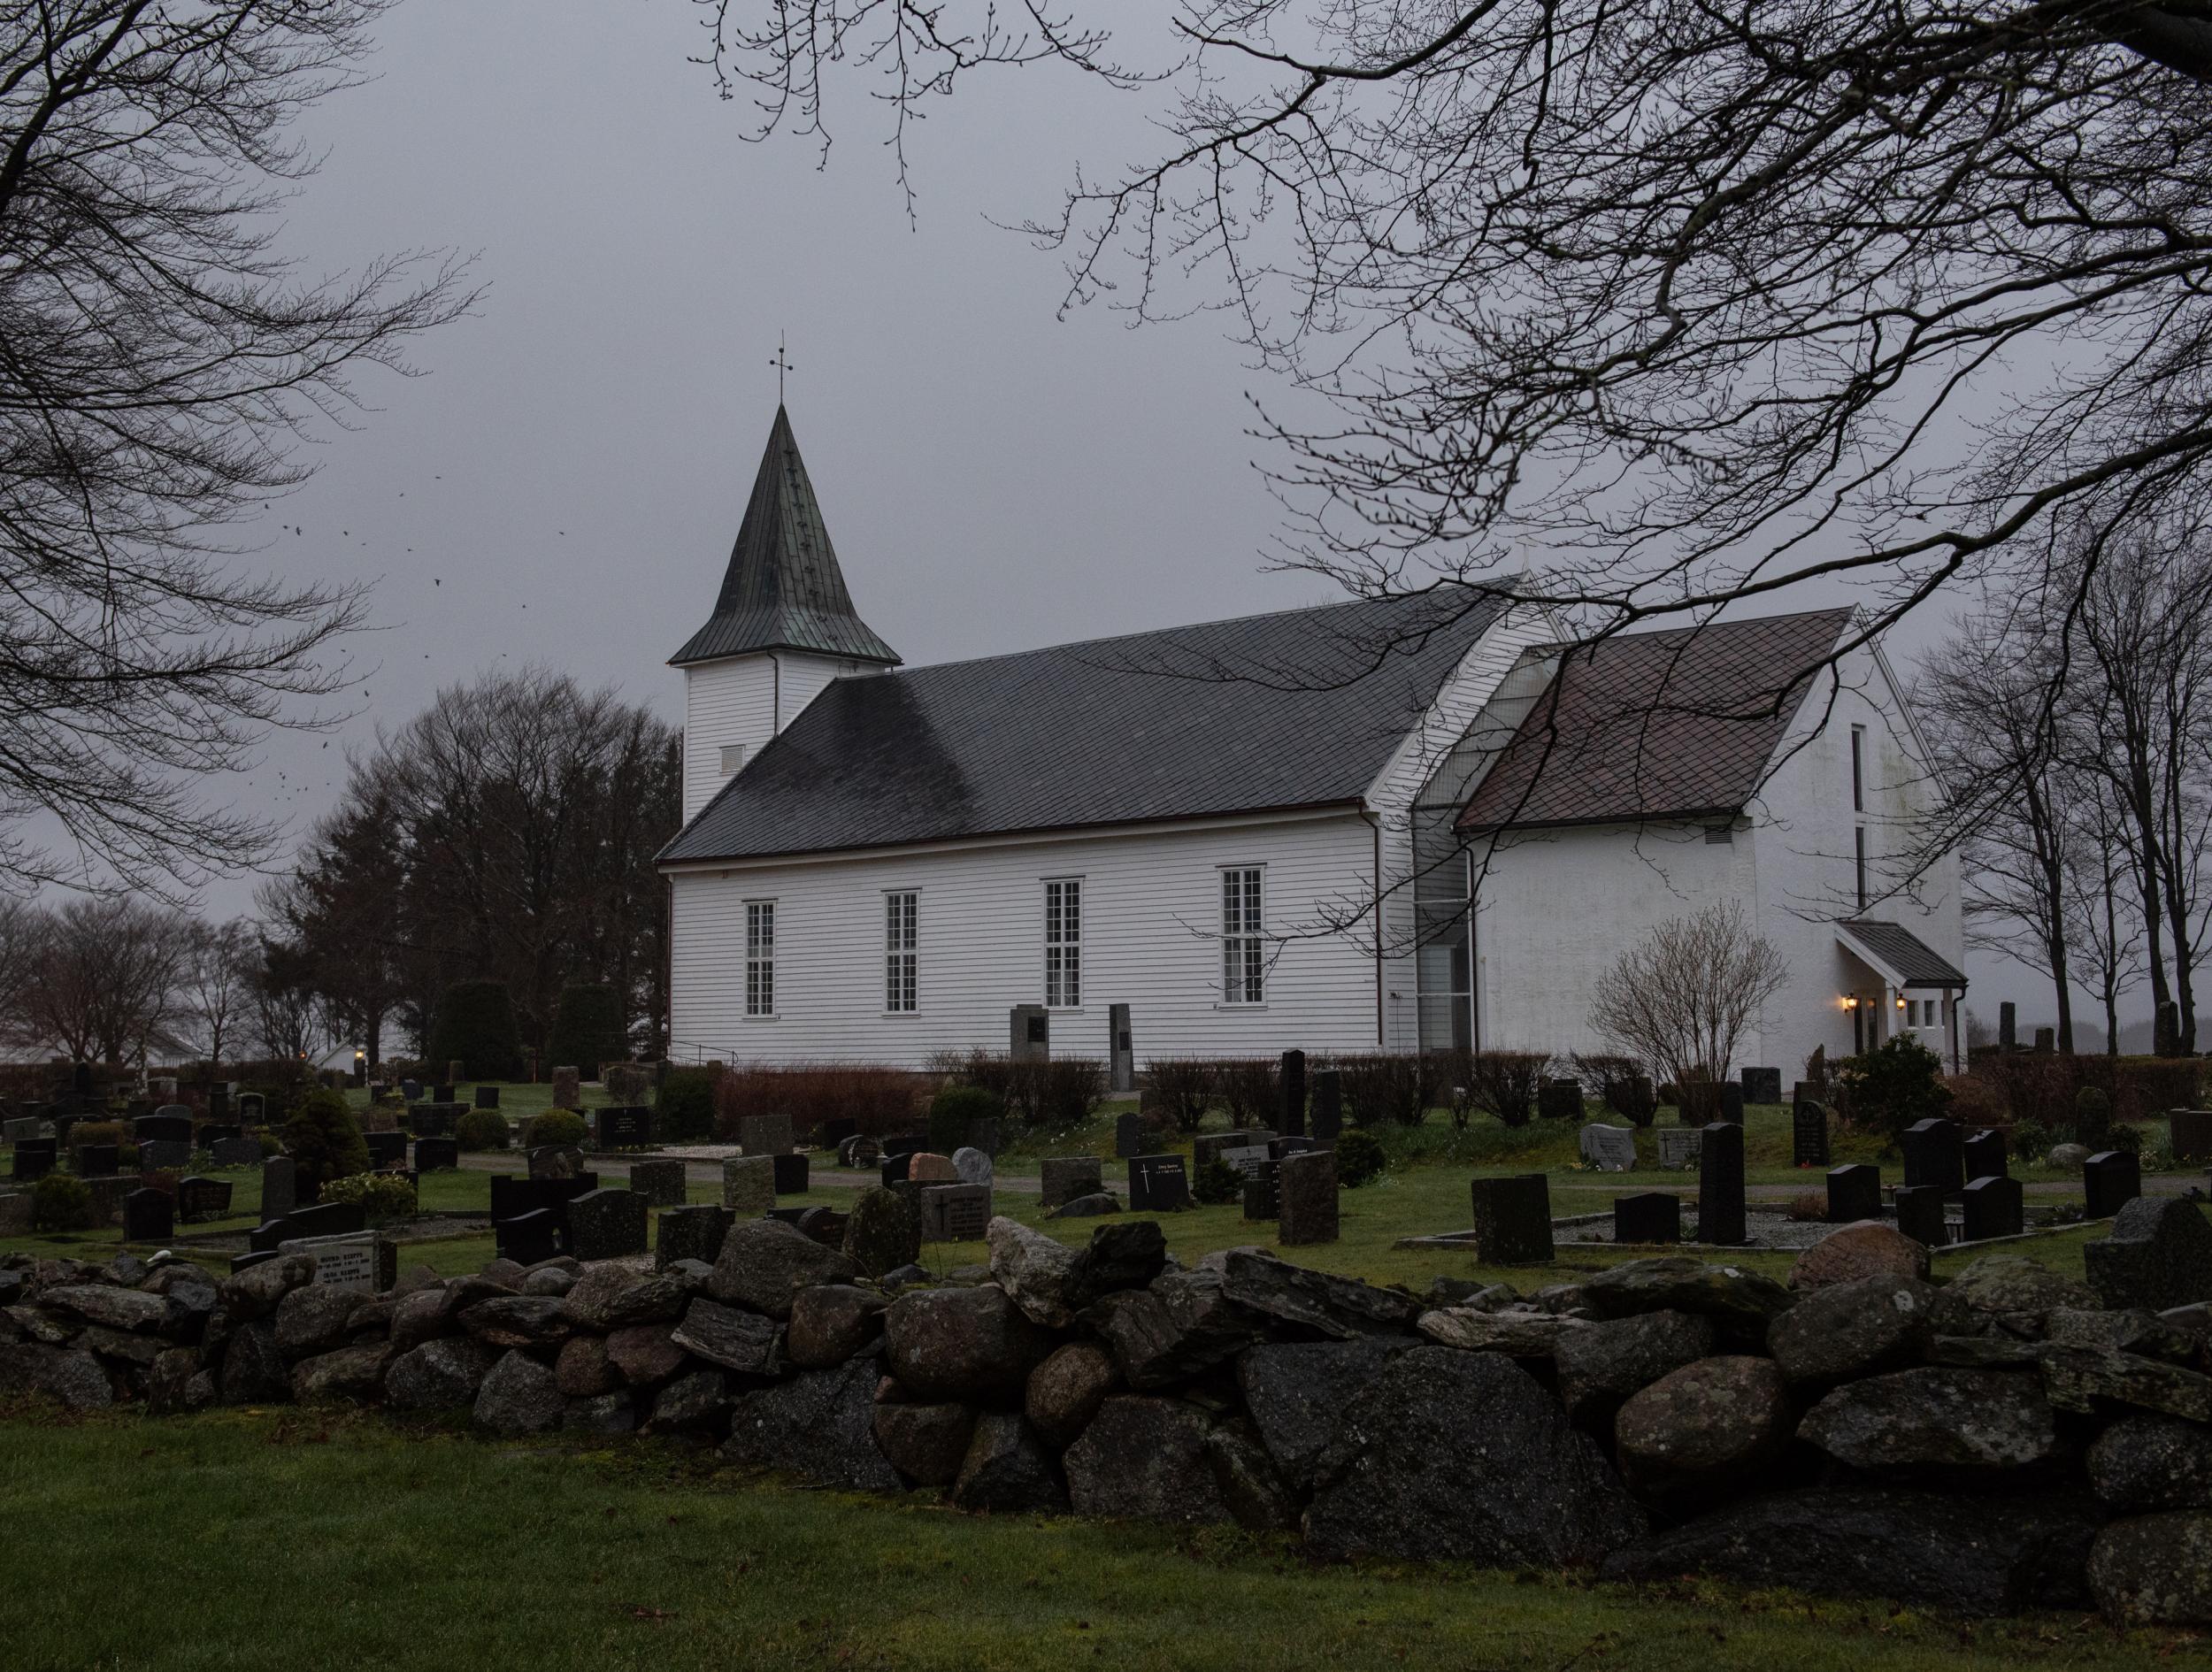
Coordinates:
745	699
1151	919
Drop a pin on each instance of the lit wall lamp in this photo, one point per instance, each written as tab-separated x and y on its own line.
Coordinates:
1900	1001
1850	1001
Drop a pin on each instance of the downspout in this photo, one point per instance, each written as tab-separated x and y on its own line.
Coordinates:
775	698
1375	824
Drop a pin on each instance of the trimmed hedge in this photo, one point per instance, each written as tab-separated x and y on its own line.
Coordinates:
684	1112
955	1110
482	1128
589	1029
324	1141
475	1026
556	1126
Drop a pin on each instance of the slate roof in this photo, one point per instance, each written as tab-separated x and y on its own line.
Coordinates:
1677	724
1904	953
1296	710
783	589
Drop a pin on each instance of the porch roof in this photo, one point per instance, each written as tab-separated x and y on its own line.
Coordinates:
1898	955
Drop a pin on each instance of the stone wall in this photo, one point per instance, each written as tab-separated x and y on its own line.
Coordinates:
2011	1438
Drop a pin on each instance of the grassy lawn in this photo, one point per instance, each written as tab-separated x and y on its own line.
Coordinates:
287	1539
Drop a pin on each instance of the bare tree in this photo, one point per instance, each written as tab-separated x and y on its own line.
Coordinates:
217	985
157	361
104	979
2102	921
1682	996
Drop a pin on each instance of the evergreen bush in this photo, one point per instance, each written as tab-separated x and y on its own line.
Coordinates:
589	1029
1360	1160
1892	1086
475	1025
482	1128
324	1139
556	1126
954	1110
1216	1183
684	1112
61	1202
386	1198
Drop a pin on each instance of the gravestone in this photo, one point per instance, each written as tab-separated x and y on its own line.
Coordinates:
1326	1112
1283	1146
456	1071
253	1108
445	1094
1068	1176
219	1104
100	1161
2158	1255
237	1151
163	1155
859	1151
660	1181
149	1215
1610	1149
556	1161
1291	1117
1731	1101
1559	1100
1210	1147
1263	1191
1994	1208
528	1238
279	1187
1248	1159
690	1234
1935	1156
21	1127
972	1165
325	1219
1679	1148
1121	1054
1984	1155
411	1090
199	1199
1029	1034
1158	1184
162	1127
791	1173
386	1149
209	1135
363	1262
1306	1208
1720	1213
1855	1193
1920	1214
894	1169
927	1167
983	1134
834	1133
955	1212
607	1224
825	1225
19	1211
81	1078
1649	1216
2007	1025
765	1135
1762	1084
905	1143
2046	1040
2109	1181
567	1089
1512	1220
626	1127
434	1120
1128	1135
437	1155
513	1196
1808	1133
2189	1134
488	1097
748	1185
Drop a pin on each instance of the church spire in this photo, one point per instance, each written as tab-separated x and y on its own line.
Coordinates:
783	590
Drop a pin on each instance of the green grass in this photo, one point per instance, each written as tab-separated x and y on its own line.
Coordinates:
282	1540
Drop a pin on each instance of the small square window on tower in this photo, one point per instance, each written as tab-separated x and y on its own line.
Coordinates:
732	757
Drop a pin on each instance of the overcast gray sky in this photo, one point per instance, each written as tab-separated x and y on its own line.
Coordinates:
564	483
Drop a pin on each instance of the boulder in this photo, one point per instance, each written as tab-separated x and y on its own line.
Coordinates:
1296	1393
610	1413
1845	1330
1007	1469
581	1371
1092	1207
1739	1302
253	1369
2158	1255
518	1321
1463	1456
174	1383
1857	1253
2084	1379
696	1404
2017	1294
926	1443
1341	1308
741	1341
832	1324
314	1319
424	1315
555	1281
1258	1499
2131	1330
1704	1428
2068	1157
1033	1270
1182	1325
764	1263
955	1342
254	1291
129	1310
608	1296
1936	1417
1063	1393
2146	1463
1126	1255
351	1373
2154	1569
1601	1364
883	1232
820	1424
518	1396
1523	1335
645	1354
1978	1555
437	1375
1145	1458
70	1376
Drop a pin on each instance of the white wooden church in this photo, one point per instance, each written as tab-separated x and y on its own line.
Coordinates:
1409	822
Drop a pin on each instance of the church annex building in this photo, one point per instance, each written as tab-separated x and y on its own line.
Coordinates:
1403	823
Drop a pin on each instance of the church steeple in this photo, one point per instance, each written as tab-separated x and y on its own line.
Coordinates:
783	590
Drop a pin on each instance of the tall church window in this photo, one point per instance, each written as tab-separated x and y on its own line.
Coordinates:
760	957
1064	942
901	921
1243	961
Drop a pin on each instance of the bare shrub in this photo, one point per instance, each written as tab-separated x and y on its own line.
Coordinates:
1682	996
1182	1086
1505	1083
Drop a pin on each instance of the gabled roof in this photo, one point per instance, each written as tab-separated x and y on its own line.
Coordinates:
1299	709
1898	955
783	589
1674	725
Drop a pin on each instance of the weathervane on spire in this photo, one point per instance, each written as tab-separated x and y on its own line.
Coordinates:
782	362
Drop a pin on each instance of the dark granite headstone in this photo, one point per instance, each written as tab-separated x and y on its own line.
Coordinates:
1855	1193
411	1090
253	1108
1512	1220
836	1130
1762	1084
1306	1205
219	1103
513	1196
607	1224
434	1120
2157	1255
690	1234
437	1154
1984	1155
1648	1216
660	1181
440	1094
81	1078
2109	1181
1935	1156
488	1097
1158	1184
1808	1133
161	1155
2007	1025
237	1151
34	1158
2189	1134
1559	1100
792	1173
1067	1177
162	1129
825	1225
1731	1101
95	1161
1128	1135
1326	1111
1994	1208
386	1149
1264	1192
1720	1212
893	1168
955	1212
905	1144
209	1135
625	1128
149	1215
1920	1214
279	1191
199	1199
528	1238
1291	1117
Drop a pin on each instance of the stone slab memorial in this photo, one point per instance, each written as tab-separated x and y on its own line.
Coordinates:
488	1097
983	1134
162	1156
1679	1148
2157	1255
955	1212
567	1089
1610	1149
34	1158
219	1104
690	1234
1029	1034
1307	1205
1158	1184
628	1127
1855	1193
608	1225
790	1173
199	1199
1121	1051
447	1092
1983	1153
748	1185
209	1135
164	1126
1512	1219
1264	1192
2109	1181
280	1186
660	1181
149	1215
236	1152
1128	1135
904	1143
1325	1110
1648	1216
1290	1116
411	1090
765	1135
1066	1178
2189	1134
324	1219
1808	1132
1994	1208
1935	1156
100	1161
1248	1160
1720	1199
357	1262
1920	1214
1731	1102
386	1149
1761	1084
437	1155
